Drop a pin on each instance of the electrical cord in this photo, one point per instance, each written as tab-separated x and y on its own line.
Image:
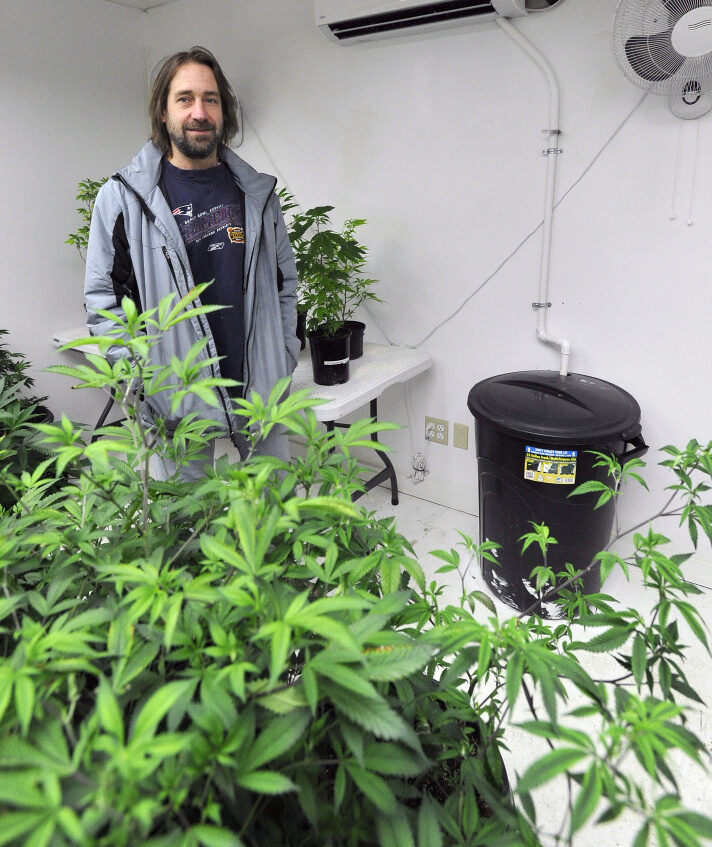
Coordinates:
533	232
418	455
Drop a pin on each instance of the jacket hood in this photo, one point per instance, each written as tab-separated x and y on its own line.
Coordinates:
144	172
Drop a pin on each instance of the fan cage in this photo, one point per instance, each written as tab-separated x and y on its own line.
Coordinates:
641	44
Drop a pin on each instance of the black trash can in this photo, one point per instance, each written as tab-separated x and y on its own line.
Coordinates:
534	431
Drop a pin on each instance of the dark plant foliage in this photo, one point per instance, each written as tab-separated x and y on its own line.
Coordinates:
20	449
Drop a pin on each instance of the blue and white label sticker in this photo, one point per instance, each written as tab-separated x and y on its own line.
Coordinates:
554	467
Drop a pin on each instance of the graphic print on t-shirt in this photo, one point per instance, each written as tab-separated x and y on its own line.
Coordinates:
209	223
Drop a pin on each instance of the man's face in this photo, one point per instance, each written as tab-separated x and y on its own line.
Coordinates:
193	117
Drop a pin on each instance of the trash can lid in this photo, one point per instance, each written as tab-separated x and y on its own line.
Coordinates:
572	409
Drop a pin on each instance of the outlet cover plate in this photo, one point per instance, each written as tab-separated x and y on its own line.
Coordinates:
460	436
436	430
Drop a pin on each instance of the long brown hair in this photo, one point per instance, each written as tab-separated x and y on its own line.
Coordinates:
162	83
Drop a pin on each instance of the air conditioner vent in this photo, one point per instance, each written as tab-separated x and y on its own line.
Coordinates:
428	13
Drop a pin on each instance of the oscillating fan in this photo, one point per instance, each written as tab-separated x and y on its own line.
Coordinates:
665	46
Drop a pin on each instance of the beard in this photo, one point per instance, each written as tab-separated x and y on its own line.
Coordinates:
195	147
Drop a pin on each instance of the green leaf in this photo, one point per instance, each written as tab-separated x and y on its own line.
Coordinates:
639	659
700	823
515	669
376	789
549	766
281	642
285	701
156	707
311	687
326	627
171	614
7	604
71	825
392	760
278	736
215	836
386	664
266	782
390	574
641	838
470	812
6	685
587	798
681	832
394	831
24	700
374	715
692	616
590	486
15	824
107	707
20	788
41	836
344	676
429	832
606	641
484	654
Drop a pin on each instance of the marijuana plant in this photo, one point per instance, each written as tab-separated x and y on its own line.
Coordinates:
330	265
88	189
253	659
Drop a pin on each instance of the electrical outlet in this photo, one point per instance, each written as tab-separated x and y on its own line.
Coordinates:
436	430
460	435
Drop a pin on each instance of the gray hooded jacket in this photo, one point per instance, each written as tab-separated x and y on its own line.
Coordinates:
135	249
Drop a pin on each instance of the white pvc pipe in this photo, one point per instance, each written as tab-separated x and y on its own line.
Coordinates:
552	143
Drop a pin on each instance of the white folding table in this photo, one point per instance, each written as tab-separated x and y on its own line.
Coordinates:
381	366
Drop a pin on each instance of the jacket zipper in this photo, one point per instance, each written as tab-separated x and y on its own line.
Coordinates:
170	268
246	365
228	416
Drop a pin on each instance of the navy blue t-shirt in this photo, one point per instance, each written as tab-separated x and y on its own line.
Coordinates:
208	207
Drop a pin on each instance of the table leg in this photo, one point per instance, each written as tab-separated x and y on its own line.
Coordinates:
388	472
103	416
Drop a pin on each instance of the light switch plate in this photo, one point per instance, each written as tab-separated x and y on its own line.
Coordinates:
460	436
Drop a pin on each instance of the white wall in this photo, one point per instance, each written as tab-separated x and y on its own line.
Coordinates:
73	80
436	140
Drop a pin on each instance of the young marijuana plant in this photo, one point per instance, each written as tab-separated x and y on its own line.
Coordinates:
88	189
252	659
329	264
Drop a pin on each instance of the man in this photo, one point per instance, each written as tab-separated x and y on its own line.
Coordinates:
188	210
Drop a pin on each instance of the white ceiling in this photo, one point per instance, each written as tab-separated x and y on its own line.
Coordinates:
138	4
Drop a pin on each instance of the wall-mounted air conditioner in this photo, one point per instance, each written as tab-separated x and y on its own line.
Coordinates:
351	21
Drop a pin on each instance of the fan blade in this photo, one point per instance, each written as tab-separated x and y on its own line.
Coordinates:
652	57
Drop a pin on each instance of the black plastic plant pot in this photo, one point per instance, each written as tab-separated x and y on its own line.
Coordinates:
330	356
357	330
301	328
535	432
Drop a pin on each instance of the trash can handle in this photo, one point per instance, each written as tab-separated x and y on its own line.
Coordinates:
640	448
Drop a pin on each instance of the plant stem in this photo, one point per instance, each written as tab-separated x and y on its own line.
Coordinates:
553	592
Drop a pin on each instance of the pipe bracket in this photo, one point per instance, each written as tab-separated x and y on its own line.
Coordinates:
541	305
549	150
